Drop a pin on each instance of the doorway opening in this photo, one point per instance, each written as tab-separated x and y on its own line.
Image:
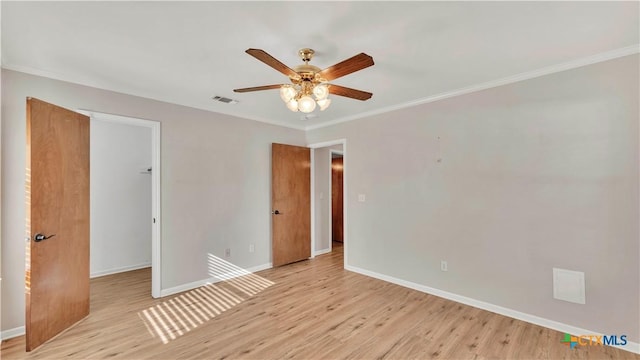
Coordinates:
322	225
125	196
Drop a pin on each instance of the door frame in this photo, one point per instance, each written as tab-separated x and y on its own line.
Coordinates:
156	228
319	145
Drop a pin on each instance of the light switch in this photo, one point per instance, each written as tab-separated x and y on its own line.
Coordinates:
361	197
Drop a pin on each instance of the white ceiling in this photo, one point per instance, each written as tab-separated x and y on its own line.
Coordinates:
185	53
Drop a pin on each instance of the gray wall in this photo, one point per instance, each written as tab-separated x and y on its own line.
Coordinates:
120	197
506	184
215	181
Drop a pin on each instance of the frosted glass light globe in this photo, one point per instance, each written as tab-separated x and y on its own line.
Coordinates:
324	103
321	91
306	104
287	92
292	105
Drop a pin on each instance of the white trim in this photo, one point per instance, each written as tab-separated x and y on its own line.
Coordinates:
328	143
345	197
532	319
330	202
212	280
323	251
589	60
119	270
313	204
11	333
156	204
23	195
156	213
323	144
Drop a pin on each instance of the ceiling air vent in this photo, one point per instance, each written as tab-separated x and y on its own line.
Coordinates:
225	100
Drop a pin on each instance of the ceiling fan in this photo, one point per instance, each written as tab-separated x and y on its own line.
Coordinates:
309	84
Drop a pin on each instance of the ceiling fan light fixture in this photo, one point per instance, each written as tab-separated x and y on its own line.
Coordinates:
292	105
324	103
306	104
287	92
309	86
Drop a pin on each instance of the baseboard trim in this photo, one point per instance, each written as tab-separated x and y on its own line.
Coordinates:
11	333
322	252
119	270
212	280
536	320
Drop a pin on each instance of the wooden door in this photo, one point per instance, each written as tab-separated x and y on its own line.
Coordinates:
291	203
57	273
337	233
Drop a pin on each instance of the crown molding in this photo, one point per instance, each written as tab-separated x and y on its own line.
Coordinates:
92	84
589	60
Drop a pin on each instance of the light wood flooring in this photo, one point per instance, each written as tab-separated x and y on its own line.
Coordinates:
308	310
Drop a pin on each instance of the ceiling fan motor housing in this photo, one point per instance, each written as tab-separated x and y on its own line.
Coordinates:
307	72
306	54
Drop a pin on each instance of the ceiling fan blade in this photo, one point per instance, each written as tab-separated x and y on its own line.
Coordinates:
271	61
347	67
257	88
349	92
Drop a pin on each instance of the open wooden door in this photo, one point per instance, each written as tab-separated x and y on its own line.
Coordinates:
291	203
57	273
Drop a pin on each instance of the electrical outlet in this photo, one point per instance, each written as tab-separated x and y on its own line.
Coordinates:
362	197
227	253
444	266
252	248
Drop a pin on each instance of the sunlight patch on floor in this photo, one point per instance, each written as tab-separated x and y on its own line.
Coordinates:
230	286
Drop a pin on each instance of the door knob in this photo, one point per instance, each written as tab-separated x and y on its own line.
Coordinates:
276	212
40	237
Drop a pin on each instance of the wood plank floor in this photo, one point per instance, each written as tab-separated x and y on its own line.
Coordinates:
309	310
